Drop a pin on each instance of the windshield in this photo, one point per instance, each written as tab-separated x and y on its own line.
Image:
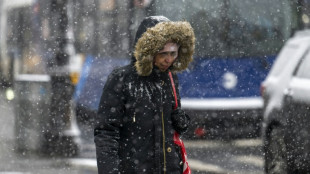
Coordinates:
234	28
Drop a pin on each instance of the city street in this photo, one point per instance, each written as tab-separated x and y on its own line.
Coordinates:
226	71
205	156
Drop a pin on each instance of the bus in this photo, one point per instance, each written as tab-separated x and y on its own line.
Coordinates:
237	41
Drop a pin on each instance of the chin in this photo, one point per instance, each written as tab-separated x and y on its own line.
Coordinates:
163	70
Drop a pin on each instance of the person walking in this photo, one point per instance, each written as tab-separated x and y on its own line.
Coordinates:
137	115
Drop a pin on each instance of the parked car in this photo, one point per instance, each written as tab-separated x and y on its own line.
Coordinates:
286	123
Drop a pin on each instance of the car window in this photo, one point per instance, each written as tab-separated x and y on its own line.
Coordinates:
304	69
283	59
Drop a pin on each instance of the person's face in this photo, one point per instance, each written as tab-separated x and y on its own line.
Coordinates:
165	57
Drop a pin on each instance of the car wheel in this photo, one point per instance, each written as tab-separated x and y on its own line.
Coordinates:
275	153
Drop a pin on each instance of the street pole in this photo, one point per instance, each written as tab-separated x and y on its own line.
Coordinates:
62	135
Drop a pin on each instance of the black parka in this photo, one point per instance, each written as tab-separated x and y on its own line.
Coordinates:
133	131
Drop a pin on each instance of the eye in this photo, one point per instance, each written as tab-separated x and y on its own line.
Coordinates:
164	54
174	54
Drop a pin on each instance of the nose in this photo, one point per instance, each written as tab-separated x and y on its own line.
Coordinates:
170	58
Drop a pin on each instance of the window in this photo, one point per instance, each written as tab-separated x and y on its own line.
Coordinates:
304	69
234	28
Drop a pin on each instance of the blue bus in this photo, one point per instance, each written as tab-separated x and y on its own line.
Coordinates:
236	44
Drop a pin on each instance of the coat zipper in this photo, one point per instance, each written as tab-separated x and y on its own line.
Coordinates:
164	144
163	126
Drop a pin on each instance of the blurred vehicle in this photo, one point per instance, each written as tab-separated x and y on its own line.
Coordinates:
235	49
286	93
278	79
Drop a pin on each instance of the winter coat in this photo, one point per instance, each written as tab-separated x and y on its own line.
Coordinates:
136	120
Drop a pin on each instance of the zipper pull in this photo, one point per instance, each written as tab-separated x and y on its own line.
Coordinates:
134	117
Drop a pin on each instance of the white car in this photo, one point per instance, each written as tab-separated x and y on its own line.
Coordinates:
286	123
282	70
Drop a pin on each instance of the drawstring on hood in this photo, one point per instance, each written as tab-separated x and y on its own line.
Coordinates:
152	35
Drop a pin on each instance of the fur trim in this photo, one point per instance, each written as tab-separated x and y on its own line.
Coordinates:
154	40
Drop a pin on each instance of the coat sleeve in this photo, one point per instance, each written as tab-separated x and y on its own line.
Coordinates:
180	120
108	123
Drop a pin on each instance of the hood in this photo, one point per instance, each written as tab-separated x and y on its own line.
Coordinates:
147	22
153	36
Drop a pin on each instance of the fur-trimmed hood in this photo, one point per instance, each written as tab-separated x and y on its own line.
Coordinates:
154	39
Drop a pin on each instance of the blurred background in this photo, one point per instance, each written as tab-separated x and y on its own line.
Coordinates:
56	55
